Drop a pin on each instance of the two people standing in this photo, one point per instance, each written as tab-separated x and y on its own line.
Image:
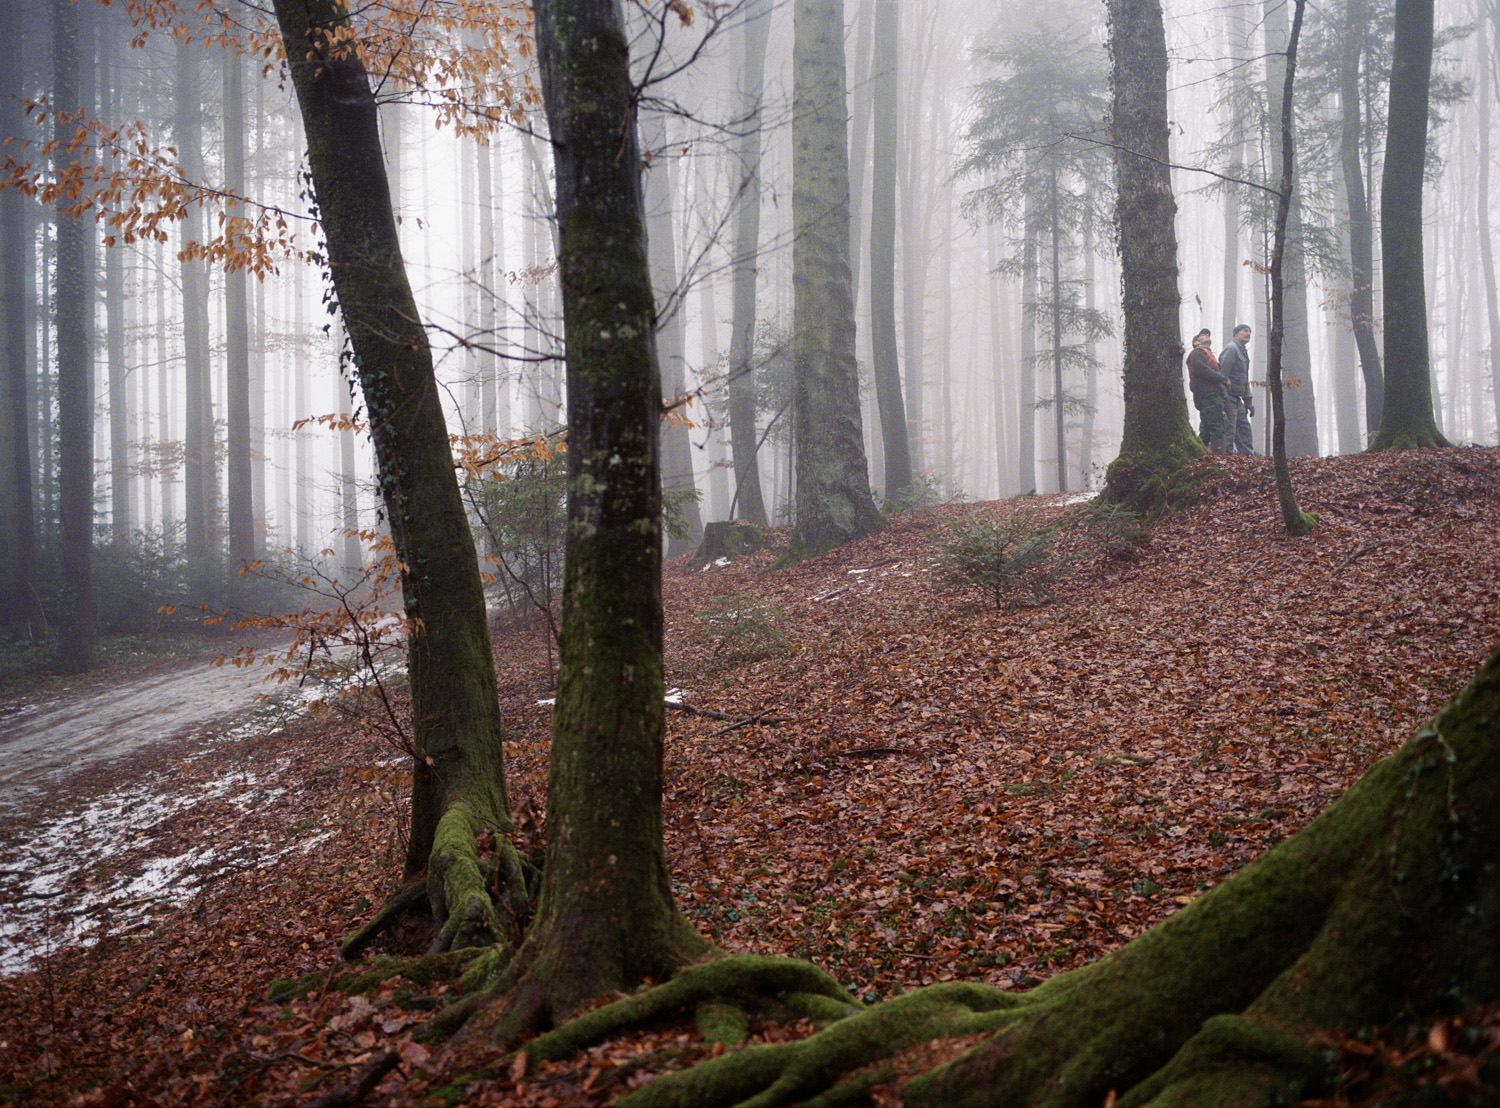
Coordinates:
1221	392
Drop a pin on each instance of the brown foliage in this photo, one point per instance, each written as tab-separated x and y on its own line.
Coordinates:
949	791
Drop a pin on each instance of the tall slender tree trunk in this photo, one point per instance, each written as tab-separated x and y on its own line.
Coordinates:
240	461
458	788
743	436
1482	207
671	331
1059	413
1297	522
17	510
1361	227
1407	418
72	76
121	515
606	919
1301	408
864	90
1026	369
833	484
886	91
200	483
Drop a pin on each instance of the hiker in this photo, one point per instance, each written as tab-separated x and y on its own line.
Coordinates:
1239	406
1208	387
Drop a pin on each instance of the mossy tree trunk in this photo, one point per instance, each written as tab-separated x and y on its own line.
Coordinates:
1406	421
1157	436
1383	909
606	919
459	780
834	504
1297	521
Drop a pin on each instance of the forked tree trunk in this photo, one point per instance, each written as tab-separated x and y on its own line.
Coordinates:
459	782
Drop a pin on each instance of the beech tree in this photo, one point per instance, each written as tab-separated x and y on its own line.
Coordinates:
834	504
458	790
1406	419
1158	437
72	66
742	433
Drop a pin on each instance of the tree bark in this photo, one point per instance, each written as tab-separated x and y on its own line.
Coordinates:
606	919
1407	420
1296	521
17	510
834	505
1361	229
1482	204
73	94
1157	436
459	782
886	365
240	462
744	439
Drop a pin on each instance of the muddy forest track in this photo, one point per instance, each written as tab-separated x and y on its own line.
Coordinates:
120	796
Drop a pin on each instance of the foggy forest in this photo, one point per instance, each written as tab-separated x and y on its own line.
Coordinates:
220	426
565	553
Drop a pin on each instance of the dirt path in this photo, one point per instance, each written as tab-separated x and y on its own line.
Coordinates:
121	794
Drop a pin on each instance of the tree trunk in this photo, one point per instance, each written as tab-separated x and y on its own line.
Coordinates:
744	439
1361	229
17	510
1482	203
1157	436
121	516
200	481
833	486
671	333
1300	407
241	463
72	71
1297	522
898	473
459	783
606	919
1407	418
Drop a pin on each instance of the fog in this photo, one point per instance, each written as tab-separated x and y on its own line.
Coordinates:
1006	287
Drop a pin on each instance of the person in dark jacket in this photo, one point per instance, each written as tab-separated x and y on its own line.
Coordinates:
1239	405
1209	389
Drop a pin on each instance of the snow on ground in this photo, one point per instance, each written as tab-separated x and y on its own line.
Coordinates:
96	832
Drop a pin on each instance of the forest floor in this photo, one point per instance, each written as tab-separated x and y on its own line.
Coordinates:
870	769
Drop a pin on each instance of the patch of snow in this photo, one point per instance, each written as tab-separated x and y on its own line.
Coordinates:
41	873
1081	497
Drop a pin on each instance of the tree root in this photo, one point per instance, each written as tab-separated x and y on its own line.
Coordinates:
390	913
742	979
786	1073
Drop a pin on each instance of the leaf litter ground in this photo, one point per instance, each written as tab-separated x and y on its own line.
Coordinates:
894	780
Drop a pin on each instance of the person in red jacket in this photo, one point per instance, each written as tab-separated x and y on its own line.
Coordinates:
1210	391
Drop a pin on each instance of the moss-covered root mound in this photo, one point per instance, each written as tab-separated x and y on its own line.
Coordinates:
477	887
1149	482
721	994
1384	908
838	1063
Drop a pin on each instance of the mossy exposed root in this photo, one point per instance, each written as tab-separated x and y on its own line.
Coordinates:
475	901
816	1067
709	989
